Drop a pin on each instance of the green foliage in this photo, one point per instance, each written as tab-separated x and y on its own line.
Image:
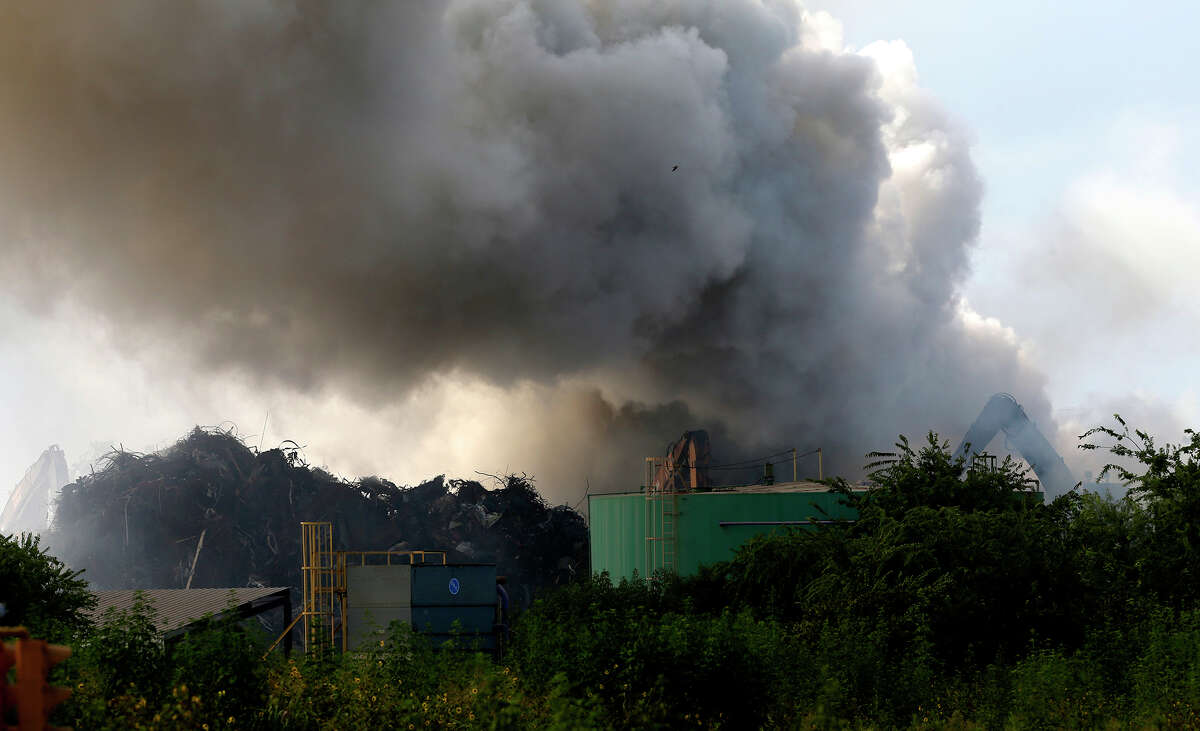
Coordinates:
118	664
221	662
922	611
954	601
933	478
39	591
1053	691
127	651
407	683
650	659
1165	680
956	570
1168	489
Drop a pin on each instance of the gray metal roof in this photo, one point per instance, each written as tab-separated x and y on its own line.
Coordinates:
177	608
799	486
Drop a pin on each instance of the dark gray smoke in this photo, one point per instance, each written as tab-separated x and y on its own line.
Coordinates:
700	207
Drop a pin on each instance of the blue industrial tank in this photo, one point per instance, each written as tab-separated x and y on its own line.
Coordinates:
456	593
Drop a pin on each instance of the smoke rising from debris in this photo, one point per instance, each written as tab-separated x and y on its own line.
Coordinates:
680	214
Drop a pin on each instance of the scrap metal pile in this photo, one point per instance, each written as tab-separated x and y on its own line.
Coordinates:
211	512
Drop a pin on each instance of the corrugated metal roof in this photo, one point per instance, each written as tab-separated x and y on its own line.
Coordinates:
176	608
799	486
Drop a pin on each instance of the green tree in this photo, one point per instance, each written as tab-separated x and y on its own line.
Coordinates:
1165	482
932	477
39	591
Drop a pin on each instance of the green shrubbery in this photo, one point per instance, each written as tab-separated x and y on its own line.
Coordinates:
649	660
123	675
38	591
952	602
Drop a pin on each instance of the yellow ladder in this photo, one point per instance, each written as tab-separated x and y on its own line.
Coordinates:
319	571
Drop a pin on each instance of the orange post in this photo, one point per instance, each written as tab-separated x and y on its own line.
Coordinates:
36	699
31	701
8	696
8	658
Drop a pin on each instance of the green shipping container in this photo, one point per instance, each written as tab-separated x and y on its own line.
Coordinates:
631	532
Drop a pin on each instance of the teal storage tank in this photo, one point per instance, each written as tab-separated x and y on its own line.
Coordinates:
441	600
456	598
640	532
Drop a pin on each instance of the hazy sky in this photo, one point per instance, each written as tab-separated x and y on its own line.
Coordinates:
1087	134
1081	121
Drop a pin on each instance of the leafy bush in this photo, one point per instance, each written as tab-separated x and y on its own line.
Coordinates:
39	591
1165	680
952	602
221	662
407	683
651	660
1053	691
117	667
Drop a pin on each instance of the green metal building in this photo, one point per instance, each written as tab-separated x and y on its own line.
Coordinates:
649	530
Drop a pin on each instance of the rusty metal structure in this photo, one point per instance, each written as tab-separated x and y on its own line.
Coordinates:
685	469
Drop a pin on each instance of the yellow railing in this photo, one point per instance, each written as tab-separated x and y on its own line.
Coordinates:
323	571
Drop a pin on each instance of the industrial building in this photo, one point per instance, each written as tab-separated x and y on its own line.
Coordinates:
679	520
654	529
350	598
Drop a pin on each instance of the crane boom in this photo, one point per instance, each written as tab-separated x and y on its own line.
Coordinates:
1003	413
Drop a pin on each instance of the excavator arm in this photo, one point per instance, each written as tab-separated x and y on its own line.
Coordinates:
1002	413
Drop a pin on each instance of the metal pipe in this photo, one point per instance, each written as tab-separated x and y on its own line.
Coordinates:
820	466
794	473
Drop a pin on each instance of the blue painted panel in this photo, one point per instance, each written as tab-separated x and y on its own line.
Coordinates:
453	585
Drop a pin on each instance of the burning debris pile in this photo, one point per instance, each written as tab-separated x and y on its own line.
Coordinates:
211	512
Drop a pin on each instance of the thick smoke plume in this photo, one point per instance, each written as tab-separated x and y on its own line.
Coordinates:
683	213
